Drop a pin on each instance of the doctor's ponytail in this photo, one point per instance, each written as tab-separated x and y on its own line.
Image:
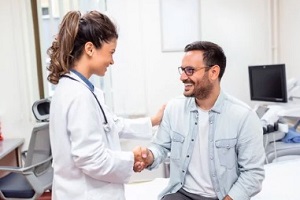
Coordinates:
74	32
62	46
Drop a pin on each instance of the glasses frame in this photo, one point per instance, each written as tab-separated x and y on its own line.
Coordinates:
189	71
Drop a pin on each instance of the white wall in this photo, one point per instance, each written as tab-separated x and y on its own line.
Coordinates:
247	31
144	77
141	71
18	80
289	36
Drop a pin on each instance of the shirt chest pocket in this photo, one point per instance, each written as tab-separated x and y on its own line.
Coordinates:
176	147
226	152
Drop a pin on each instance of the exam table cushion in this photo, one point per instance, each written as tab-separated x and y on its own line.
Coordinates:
9	188
280	184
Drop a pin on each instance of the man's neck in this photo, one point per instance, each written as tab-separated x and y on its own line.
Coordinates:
209	102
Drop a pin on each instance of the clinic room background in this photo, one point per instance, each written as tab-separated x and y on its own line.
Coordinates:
144	76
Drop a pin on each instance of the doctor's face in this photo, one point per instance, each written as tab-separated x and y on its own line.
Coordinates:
103	57
195	76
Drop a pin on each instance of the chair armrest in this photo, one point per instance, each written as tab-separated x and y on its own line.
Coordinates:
29	168
23	170
11	169
40	163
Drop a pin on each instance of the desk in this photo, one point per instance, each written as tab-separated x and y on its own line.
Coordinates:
10	152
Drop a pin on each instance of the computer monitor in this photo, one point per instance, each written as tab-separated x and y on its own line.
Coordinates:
268	83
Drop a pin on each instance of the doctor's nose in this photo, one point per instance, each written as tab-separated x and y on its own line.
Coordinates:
112	61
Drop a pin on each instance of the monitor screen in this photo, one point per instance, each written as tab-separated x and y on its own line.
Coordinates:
268	83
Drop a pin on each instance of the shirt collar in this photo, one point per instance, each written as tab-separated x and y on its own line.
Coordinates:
85	80
219	102
217	106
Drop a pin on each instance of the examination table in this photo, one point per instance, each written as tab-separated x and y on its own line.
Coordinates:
282	181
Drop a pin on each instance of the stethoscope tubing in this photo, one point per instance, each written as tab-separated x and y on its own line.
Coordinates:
105	123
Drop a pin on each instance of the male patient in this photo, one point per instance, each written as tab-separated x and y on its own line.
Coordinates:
215	141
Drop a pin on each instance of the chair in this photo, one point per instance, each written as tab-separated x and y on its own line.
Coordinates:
35	177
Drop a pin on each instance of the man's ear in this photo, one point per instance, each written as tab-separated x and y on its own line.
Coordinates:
89	48
214	72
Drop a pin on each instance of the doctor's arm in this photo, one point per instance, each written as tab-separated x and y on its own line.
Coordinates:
160	146
89	149
156	119
139	127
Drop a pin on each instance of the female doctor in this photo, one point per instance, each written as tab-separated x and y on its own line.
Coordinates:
87	159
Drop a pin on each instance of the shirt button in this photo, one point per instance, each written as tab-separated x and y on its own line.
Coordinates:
192	140
188	156
211	158
183	171
195	123
181	183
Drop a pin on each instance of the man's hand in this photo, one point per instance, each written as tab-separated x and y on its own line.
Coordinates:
227	197
143	157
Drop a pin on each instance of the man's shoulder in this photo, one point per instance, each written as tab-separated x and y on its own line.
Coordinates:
233	101
181	100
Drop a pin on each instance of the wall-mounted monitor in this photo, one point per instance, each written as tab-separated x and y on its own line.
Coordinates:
268	83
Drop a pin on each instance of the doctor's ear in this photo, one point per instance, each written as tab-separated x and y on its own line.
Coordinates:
89	48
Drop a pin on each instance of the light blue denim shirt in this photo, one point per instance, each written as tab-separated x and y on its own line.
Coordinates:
236	152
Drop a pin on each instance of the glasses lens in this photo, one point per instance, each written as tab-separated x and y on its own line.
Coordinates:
189	71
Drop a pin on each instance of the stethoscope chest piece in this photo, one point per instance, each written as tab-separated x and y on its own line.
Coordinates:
106	127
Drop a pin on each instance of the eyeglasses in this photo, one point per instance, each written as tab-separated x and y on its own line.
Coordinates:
189	71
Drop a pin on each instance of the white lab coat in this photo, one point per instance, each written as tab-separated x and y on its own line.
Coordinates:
88	162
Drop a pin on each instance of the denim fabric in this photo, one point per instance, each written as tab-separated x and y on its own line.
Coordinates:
236	153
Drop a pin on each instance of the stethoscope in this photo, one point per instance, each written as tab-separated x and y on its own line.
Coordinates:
106	126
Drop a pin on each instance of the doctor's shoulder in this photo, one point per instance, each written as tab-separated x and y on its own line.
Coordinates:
70	90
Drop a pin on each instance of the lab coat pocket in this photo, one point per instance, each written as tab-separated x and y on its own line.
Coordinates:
176	147
226	152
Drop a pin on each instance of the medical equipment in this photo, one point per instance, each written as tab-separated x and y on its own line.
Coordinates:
105	123
268	83
293	88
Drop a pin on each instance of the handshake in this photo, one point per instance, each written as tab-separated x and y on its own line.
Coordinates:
143	157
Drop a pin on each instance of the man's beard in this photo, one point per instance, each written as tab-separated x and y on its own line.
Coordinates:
203	90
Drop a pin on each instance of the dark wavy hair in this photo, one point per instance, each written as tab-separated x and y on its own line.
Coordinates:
74	32
213	54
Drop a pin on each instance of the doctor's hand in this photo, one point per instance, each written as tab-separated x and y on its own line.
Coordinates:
156	119
143	157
